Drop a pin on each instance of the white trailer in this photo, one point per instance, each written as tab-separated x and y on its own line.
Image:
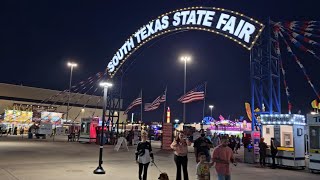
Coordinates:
313	123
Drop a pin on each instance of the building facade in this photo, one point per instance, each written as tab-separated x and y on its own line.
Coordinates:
21	99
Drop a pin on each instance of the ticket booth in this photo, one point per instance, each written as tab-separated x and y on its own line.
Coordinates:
88	130
313	126
288	130
251	146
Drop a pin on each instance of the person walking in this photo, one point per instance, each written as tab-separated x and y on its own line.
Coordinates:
9	132
21	131
274	152
202	144
215	140
222	156
180	147
232	143
262	152
15	131
238	144
143	155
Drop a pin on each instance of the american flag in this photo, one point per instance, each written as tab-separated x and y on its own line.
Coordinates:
135	102
156	103
195	94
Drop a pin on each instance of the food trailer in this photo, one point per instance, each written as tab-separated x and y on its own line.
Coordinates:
288	130
313	124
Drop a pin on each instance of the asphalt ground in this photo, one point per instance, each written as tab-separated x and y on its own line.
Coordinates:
37	159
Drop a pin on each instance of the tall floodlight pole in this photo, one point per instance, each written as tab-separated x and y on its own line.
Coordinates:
185	59
105	85
71	65
211	107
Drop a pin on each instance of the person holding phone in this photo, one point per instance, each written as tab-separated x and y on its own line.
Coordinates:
180	147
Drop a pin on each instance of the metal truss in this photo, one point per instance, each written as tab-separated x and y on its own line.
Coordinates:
265	77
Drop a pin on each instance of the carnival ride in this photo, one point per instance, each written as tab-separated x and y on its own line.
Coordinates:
267	64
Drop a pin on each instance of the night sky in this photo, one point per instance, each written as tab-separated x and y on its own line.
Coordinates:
38	37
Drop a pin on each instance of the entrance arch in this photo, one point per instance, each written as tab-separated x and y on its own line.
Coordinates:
233	25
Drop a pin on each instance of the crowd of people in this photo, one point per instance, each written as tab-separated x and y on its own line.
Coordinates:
221	157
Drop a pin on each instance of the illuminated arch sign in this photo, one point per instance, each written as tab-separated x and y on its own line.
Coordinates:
233	25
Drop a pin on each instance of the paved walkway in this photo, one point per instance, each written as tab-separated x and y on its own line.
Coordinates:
23	159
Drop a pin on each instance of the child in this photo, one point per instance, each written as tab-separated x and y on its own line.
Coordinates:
203	168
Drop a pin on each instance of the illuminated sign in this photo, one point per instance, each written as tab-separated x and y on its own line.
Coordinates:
233	25
283	119
18	116
52	117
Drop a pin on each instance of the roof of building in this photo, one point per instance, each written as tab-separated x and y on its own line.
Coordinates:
47	96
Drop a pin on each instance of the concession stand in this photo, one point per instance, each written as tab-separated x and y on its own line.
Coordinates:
288	130
313	126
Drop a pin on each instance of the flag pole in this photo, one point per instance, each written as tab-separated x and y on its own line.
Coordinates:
164	106
141	105
164	112
204	99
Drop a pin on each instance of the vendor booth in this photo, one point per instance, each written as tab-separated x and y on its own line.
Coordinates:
88	130
288	130
313	123
251	146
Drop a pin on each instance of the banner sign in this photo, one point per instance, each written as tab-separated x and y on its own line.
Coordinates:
18	116
51	117
233	25
36	109
282	119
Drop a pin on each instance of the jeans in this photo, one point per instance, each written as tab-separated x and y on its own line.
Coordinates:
273	155
262	159
144	168
181	161
224	177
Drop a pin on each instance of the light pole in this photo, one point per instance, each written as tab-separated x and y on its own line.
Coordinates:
185	59
105	85
211	107
71	65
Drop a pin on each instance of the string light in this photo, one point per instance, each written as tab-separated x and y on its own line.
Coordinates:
204	29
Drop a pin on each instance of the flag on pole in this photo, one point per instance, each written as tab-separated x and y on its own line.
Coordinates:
196	94
156	103
134	103
221	117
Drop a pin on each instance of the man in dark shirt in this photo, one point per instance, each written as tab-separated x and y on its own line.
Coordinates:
274	152
263	152
202	144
